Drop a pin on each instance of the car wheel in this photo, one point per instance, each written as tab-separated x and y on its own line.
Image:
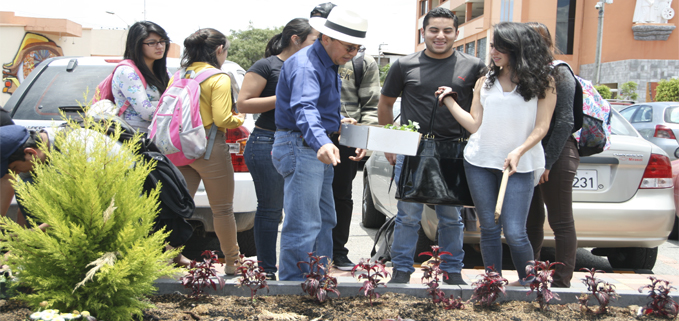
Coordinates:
372	218
246	242
636	258
423	245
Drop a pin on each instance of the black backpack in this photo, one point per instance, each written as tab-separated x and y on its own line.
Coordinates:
175	201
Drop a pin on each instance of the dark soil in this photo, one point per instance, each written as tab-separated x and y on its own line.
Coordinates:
389	306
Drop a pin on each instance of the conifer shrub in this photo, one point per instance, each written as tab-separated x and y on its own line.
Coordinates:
100	252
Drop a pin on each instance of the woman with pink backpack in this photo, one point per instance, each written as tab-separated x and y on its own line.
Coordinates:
140	80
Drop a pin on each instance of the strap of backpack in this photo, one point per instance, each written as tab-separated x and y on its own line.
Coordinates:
200	77
358	71
129	63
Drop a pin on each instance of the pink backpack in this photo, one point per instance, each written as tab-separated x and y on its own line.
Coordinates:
177	127
104	91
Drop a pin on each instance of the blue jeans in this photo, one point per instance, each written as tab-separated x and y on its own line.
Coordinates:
308	202
484	185
269	187
407	223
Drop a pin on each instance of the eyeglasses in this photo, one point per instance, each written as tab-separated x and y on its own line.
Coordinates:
152	44
350	48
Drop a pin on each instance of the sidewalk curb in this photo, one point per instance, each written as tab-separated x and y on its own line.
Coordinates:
349	289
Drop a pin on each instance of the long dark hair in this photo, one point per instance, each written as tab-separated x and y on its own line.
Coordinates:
529	58
134	51
201	46
278	43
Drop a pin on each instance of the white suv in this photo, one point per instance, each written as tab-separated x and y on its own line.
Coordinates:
63	83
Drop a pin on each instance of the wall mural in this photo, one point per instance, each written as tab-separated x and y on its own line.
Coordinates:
33	50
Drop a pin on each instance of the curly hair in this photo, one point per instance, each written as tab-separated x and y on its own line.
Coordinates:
529	59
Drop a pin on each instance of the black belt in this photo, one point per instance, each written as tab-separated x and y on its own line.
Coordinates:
332	136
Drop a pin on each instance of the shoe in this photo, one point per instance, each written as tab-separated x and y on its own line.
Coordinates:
271	276
454	279
400	277
342	262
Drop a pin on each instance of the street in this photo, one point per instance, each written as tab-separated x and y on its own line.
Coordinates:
361	242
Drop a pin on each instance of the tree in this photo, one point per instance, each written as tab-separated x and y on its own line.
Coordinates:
667	90
247	46
628	91
604	91
383	73
99	252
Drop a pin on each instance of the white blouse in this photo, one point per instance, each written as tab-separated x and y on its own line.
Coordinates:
507	121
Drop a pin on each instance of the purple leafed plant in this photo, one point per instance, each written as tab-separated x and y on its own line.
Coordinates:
432	275
543	272
252	276
200	274
318	282
488	288
603	291
661	303
373	274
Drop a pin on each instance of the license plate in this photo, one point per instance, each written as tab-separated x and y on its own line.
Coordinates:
585	180
234	148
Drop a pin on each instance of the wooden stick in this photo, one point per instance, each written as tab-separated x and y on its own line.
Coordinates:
501	194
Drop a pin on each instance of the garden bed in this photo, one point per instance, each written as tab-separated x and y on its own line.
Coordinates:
297	307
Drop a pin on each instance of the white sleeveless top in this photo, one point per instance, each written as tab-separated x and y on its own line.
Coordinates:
507	121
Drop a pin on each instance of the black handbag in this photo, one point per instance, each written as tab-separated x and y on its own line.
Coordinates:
436	175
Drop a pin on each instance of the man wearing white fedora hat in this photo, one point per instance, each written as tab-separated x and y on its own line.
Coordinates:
416	77
307	116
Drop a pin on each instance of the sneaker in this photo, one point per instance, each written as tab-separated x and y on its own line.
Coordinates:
400	277
342	262
454	279
271	276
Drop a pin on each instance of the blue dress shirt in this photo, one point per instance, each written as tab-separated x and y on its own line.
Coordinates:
308	95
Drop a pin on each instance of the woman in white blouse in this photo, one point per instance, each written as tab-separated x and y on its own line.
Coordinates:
146	46
509	116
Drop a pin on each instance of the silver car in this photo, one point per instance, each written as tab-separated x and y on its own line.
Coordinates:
656	122
623	202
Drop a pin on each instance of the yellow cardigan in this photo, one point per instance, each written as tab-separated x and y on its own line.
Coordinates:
215	100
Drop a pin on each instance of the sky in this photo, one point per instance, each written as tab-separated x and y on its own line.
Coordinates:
390	22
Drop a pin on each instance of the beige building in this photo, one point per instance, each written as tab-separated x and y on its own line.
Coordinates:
26	41
639	41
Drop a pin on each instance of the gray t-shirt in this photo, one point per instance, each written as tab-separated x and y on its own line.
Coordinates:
417	76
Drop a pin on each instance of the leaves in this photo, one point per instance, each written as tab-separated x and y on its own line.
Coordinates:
70	193
667	90
374	273
318	282
247	46
200	275
542	271
252	276
488	288
411	127
603	291
661	303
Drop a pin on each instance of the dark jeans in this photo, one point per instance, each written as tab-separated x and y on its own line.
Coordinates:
269	188
345	172
557	194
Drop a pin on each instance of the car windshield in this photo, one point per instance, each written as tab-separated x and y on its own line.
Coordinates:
57	88
672	114
620	126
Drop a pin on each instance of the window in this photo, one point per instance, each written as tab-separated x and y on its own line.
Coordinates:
672	114
420	37
423	7
628	112
643	115
481	48
460	48
565	26
469	48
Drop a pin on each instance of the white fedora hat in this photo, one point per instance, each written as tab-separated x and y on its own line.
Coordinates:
342	25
